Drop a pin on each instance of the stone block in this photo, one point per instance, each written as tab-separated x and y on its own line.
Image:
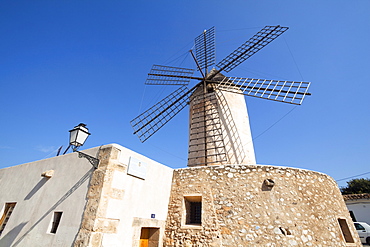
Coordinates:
104	225
48	174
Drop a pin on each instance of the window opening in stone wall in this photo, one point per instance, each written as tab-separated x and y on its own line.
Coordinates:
193	208
55	223
8	209
149	237
345	231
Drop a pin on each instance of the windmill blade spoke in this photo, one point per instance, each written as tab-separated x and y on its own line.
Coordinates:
166	75
249	48
205	48
150	121
291	92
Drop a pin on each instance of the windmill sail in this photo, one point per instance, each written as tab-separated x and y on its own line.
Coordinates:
150	121
166	75
205	48
249	48
291	92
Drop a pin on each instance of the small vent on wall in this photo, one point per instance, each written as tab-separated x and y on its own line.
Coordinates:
268	184
285	231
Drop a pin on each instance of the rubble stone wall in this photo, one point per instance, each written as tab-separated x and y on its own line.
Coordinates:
257	205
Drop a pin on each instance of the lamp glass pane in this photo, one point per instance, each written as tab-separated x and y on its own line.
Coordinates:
72	137
81	138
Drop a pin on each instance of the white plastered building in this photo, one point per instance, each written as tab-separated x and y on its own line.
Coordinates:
64	201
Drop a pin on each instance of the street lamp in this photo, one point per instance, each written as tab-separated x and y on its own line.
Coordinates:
77	138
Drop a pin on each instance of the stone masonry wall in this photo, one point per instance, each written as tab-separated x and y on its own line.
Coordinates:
255	205
95	223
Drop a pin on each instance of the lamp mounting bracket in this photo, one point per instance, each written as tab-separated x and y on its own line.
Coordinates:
93	161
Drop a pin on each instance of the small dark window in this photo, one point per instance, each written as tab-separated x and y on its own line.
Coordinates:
345	230
9	207
56	220
193	206
195	213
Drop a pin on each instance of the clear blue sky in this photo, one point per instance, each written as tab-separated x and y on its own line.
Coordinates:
66	62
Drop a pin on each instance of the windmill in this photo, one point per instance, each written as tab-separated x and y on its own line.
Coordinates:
219	131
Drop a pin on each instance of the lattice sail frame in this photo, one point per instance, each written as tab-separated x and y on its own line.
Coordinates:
205	50
150	121
167	75
291	92
249	48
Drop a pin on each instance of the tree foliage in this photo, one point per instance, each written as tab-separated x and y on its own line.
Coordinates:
356	186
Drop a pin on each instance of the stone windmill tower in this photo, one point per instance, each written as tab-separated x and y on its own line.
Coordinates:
219	131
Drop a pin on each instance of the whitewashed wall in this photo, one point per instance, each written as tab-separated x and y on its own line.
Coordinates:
143	197
38	197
